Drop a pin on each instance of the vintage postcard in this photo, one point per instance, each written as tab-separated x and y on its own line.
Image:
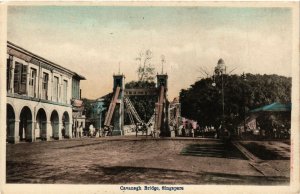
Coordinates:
134	97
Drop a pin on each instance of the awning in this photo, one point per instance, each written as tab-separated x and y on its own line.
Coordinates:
274	107
77	103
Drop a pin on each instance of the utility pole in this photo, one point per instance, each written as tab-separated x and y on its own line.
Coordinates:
244	103
220	70
163	60
223	103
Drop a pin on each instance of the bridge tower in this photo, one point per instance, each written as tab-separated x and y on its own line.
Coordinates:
115	114
161	107
118	115
162	80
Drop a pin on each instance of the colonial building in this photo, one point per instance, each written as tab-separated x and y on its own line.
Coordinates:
39	97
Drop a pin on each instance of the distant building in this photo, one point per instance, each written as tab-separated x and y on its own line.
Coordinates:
77	104
250	124
97	112
39	96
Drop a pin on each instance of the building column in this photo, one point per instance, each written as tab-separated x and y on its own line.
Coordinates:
60	81
12	71
50	91
40	79
69	129
40	84
36	84
47	130
34	130
27	80
59	134
14	132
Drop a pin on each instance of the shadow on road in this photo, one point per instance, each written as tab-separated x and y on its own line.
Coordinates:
97	174
126	174
217	150
267	153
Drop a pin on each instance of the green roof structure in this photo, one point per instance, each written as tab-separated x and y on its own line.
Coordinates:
274	107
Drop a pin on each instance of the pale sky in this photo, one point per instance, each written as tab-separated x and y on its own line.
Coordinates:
93	40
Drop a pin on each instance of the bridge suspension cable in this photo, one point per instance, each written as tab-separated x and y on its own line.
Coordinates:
131	109
151	119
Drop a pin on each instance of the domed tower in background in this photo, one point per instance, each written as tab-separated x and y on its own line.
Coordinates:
221	67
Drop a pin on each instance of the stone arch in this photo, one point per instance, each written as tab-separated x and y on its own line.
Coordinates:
41	124
54	119
66	131
25	125
10	121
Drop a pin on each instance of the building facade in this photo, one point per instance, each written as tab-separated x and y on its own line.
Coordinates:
39	97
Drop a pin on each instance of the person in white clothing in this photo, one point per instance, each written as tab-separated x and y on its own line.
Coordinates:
91	130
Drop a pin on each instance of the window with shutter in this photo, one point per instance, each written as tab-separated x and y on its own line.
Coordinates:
32	82
65	86
23	79
55	89
45	86
8	74
17	77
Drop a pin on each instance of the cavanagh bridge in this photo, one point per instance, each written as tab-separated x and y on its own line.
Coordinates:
166	115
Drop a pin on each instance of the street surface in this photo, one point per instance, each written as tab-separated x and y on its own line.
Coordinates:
131	160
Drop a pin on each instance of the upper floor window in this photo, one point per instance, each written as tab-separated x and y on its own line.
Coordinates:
55	89
75	89
20	78
8	73
65	88
45	86
32	83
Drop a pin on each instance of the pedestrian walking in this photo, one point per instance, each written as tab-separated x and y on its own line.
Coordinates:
91	128
77	132
157	133
145	129
105	131
142	128
151	129
136	129
111	130
94	132
193	132
274	132
73	131
80	131
183	132
100	132
63	132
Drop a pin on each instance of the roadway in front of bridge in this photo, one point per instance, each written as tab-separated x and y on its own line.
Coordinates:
141	160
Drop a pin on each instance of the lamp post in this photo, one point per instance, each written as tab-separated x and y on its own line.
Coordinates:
220	70
244	103
100	109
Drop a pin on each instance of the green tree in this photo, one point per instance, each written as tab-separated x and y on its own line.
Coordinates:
203	102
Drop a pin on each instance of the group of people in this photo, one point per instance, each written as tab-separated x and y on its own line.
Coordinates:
281	133
77	131
185	132
265	132
144	128
106	131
